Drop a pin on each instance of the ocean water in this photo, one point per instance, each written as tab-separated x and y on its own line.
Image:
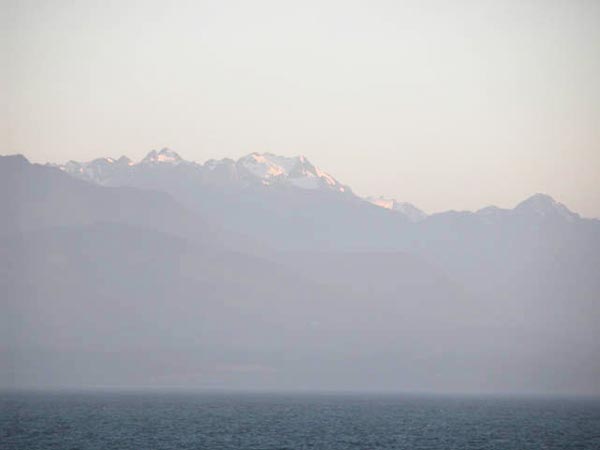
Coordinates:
151	421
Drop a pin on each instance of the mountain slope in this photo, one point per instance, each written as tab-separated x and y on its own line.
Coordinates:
106	285
113	285
254	169
117	305
35	197
489	251
285	202
413	213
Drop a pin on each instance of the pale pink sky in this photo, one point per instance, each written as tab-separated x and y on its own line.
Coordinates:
446	104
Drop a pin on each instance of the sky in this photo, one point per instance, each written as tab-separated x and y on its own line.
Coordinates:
446	104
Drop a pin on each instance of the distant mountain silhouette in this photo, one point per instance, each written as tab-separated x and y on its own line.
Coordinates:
264	169
413	213
284	201
36	197
268	272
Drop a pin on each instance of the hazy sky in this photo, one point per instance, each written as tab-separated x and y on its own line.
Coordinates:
447	104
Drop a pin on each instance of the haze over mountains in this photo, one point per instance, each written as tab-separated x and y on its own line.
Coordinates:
268	272
262	169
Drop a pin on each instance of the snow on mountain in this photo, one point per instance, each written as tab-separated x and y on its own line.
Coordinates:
163	156
381	202
413	213
296	171
268	169
96	170
263	169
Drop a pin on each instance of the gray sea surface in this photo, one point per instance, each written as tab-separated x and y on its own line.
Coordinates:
183	420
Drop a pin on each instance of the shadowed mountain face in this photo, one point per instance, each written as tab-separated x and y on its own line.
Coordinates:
118	283
36	197
82	299
286	202
488	249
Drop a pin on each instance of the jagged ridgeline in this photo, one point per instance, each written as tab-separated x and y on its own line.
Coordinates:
269	272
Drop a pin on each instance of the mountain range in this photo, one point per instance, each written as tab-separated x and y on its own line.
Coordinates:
254	169
267	272
258	169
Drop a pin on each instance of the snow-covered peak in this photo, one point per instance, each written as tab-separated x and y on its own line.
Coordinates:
268	165
262	166
96	170
163	156
297	171
214	164
413	213
256	168
543	205
382	202
96	163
